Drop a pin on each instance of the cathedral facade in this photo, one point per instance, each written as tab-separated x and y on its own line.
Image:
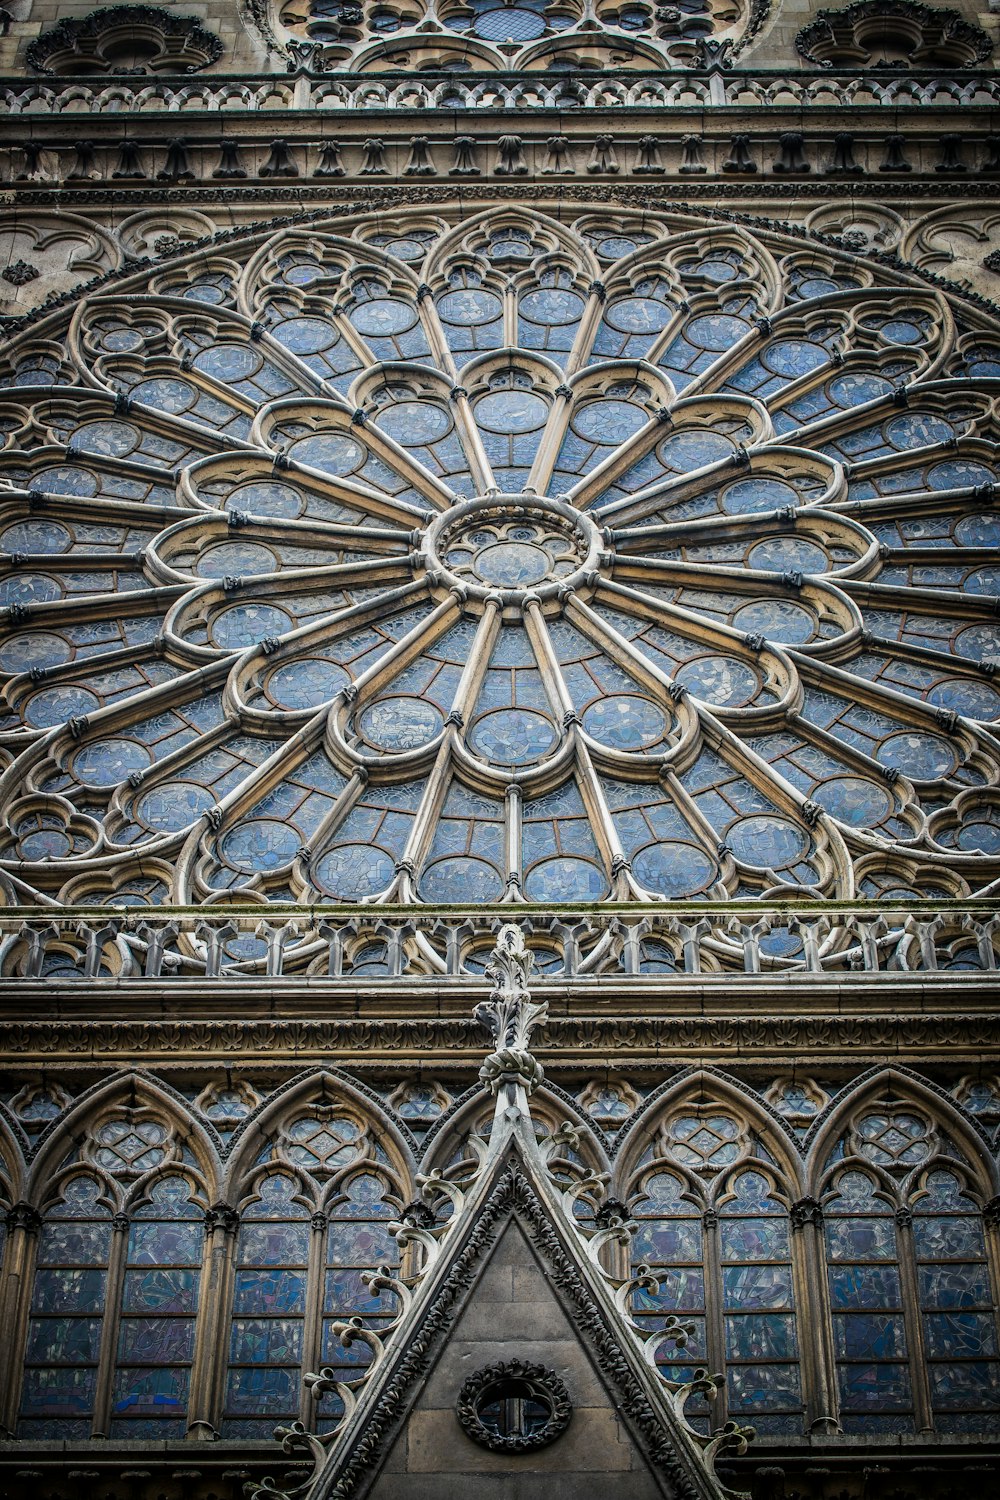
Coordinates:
499	767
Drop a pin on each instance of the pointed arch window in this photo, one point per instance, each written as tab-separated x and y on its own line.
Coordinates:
713	1226
314	1224
915	1329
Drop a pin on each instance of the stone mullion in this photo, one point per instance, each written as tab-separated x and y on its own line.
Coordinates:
912	1322
23	1226
552	438
618	462
427	308
587	330
110	1324
514	798
991	1236
715	1323
471	440
814	1319
208	1371
510	318
312	1326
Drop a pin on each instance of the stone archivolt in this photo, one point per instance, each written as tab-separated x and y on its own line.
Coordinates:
125	39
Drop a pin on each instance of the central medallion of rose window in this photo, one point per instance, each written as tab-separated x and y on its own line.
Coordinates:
513	544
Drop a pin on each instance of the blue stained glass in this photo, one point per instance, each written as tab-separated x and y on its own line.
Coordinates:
149	1392
383	316
638	315
723	681
767	841
959	1335
64	1340
760	1336
360	1244
513	736
156	1340
716	331
512	564
355	870
511	411
257	1392
875	1387
266	1341
853	800
227	362
757	1286
164	1243
460	879
608	422
84	1243
669	1240
57	1392
108	761
78	1291
469	307
161	1291
754	1239
265	1244
916	754
776	620
347	1293
674	869
259	844
864	1287
947	1238
398	723
965	1383
748	496
680	1288
274	1292
869	1336
627	722
860	1239
953	1286
566	879
762	1387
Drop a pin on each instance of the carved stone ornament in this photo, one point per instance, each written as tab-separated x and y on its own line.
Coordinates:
513	1407
893	34
510	1014
125	39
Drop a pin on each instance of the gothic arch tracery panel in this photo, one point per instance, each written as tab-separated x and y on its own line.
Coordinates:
602	555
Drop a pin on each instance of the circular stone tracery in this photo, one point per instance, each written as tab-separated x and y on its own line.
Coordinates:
514	543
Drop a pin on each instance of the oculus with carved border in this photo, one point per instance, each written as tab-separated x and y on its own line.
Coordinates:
125	39
893	34
515	1393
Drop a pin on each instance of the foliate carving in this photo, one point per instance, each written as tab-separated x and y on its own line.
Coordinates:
24	1217
806	1211
510	1014
512	1380
893	34
20	272
125	39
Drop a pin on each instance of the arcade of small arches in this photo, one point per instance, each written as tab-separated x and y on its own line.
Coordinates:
445	559
506	35
836	1256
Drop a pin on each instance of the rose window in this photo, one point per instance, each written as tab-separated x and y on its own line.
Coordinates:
494	559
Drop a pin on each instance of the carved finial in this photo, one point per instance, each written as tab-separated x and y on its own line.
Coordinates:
510	1014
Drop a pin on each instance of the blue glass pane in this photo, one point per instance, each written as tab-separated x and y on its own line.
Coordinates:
64	1340
274	1244
761	1336
258	1341
262	1392
869	1336
160	1393
864	1286
160	1291
74	1243
165	1244
270	1292
156	1340
346	1293
966	1383
757	1286
59	1392
679	1288
951	1238
365	1245
676	1240
754	1239
953	1286
763	1387
861	1239
875	1387
68	1291
959	1335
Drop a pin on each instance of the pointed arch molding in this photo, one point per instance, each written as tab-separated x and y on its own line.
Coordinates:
512	1196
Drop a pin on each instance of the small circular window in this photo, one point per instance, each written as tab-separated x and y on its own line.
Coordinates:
514	1407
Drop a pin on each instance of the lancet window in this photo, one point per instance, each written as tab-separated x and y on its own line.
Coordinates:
913	1307
313	1226
714	1230
111	1336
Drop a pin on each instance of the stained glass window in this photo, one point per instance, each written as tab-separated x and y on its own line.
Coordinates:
718	1241
314	1225
914	1318
403	566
